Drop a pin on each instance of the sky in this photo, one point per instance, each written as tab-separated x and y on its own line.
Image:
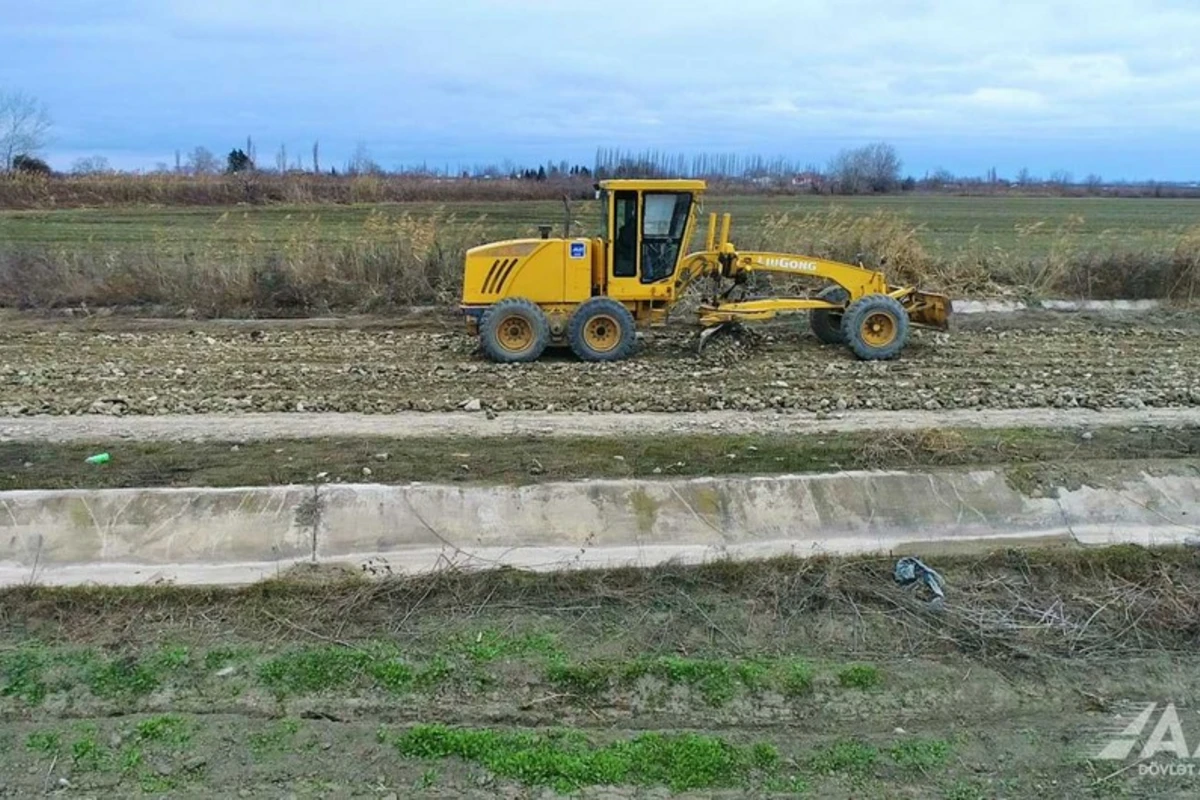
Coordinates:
1107	87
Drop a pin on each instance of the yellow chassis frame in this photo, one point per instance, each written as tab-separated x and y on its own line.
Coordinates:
721	260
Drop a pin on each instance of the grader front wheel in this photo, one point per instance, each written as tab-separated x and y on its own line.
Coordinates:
602	329
876	327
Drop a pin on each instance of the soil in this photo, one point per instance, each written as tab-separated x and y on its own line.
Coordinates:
1031	361
1036	458
407	425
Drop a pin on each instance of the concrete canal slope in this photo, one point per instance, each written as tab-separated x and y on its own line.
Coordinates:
196	535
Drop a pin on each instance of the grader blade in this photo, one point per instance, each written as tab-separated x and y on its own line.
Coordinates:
930	310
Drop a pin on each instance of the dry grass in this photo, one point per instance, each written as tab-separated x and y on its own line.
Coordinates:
1075	266
1059	603
392	260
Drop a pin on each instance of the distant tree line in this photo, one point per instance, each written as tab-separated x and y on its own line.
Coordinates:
25	126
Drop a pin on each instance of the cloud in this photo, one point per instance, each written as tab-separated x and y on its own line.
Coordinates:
482	80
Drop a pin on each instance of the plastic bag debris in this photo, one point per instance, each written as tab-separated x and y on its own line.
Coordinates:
911	570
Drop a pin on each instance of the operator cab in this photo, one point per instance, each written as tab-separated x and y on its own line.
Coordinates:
647	223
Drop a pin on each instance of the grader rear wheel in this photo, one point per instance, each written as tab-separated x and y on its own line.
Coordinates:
876	327
826	324
513	330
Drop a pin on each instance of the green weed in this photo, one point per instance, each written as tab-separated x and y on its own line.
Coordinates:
764	756
752	674
274	739
316	670
88	754
169	659
329	668
121	677
796	679
714	679
490	645
48	743
221	657
433	673
130	760
860	676
429	778
167	729
582	679
964	790
847	755
717	680
921	754
567	760
392	674
21	676
153	783
794	784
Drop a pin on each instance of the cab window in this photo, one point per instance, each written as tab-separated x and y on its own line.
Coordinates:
664	218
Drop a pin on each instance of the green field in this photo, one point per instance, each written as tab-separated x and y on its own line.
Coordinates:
946	224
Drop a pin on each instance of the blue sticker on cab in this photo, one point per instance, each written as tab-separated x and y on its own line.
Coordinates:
578	249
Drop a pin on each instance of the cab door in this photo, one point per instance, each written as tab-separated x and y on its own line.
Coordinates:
624	235
646	230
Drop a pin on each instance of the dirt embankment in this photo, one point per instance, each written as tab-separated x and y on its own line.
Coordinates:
758	679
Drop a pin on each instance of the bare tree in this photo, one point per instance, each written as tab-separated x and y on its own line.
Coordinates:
882	166
1061	177
940	178
316	156
201	161
95	165
24	127
846	173
874	167
281	162
361	163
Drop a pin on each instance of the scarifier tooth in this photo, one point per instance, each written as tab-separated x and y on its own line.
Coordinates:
708	333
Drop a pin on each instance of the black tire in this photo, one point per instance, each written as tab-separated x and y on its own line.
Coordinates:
826	324
876	327
602	329
514	329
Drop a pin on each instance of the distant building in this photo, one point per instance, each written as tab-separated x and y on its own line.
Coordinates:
808	180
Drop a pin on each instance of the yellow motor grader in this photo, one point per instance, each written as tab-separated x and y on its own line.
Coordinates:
592	294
